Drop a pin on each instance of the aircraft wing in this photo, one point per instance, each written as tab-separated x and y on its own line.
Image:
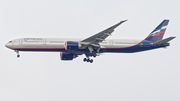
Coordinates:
99	37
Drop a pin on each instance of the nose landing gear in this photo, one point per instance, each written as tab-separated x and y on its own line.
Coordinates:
17	53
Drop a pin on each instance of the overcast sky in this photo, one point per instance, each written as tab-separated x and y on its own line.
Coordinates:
41	76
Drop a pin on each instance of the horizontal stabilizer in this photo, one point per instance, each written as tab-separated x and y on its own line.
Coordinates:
163	41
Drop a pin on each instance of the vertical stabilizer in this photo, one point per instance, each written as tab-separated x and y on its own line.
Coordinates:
158	33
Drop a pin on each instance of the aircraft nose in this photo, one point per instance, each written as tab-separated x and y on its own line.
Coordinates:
7	45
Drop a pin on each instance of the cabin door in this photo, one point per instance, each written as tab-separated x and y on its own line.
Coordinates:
20	41
44	42
111	43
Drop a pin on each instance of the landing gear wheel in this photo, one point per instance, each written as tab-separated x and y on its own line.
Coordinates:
88	60
91	61
17	53
85	60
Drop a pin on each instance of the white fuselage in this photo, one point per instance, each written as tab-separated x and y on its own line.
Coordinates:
59	43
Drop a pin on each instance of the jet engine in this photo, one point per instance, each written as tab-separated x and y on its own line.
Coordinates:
72	45
67	56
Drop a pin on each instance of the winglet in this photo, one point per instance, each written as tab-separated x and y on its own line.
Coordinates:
123	21
116	25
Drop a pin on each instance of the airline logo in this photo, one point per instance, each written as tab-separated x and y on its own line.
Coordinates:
34	39
158	32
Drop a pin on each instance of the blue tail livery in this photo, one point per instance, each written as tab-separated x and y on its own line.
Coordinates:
158	33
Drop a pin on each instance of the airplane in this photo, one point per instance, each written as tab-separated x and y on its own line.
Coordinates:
92	46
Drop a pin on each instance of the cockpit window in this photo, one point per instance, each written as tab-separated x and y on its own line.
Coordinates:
10	41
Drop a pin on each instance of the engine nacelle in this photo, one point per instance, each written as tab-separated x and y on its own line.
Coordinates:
67	56
72	45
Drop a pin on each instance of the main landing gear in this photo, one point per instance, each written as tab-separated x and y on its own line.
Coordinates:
88	60
90	54
17	53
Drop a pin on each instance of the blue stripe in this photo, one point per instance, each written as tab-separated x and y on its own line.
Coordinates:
137	48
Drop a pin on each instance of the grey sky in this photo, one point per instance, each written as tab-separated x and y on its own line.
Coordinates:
146	76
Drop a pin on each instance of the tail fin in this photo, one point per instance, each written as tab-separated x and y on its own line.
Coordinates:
158	33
